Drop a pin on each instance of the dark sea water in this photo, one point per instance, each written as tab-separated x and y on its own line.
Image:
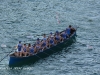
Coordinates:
27	20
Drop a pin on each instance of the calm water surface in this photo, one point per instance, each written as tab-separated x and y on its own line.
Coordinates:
27	20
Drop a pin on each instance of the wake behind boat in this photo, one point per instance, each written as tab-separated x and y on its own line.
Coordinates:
23	60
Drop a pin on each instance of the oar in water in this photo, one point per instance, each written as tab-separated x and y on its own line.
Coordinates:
41	58
46	54
55	51
4	52
6	55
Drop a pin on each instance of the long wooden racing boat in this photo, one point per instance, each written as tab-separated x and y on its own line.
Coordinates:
19	61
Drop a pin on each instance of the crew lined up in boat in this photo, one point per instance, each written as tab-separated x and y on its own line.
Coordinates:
25	50
45	42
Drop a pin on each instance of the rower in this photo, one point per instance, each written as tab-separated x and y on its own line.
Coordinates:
50	34
57	37
37	48
44	42
32	50
64	35
24	52
43	45
38	41
68	31
44	37
51	41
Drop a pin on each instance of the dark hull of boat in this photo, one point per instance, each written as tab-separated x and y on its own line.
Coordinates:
19	61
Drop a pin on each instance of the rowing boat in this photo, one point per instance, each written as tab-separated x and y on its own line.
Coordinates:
19	61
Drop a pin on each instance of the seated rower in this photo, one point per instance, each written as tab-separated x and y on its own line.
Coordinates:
57	37
38	41
43	45
32	50
28	48
68	31
51	41
24	52
37	48
44	37
44	42
50	34
64	35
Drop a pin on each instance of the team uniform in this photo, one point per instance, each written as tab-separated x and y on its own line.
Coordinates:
68	31
32	50
19	47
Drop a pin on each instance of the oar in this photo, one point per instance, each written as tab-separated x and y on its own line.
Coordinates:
45	53
38	57
55	51
6	55
41	58
4	52
49	54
